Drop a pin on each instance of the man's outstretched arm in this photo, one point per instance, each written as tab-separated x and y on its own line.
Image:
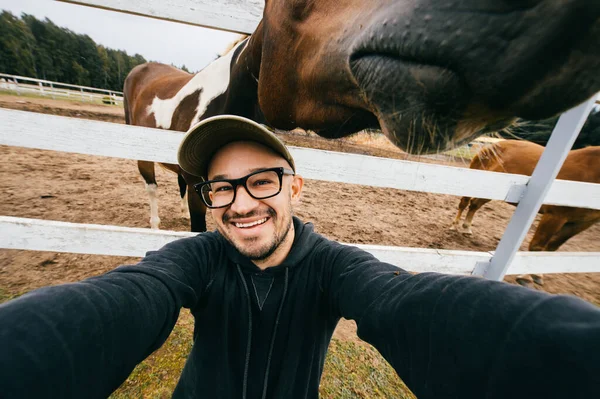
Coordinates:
83	339
465	337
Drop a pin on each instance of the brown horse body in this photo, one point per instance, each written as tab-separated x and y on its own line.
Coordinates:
431	75
558	223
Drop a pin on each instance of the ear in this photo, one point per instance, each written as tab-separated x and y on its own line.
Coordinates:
297	185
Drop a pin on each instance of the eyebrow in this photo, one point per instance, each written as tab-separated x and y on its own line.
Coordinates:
225	177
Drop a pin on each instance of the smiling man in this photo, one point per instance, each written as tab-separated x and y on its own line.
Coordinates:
266	292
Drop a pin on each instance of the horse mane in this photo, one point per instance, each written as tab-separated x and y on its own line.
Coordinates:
231	45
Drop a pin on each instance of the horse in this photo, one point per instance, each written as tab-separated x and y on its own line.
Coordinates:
558	223
161	81
430	75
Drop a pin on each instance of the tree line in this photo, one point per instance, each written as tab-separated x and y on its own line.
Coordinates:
40	49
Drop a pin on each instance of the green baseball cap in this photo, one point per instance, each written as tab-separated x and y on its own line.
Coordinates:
206	137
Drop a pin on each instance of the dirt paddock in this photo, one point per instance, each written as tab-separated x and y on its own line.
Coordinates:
88	189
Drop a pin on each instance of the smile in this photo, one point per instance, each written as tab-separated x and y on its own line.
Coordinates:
251	224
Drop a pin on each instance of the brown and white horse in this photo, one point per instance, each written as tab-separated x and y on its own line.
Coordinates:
159	95
558	223
431	75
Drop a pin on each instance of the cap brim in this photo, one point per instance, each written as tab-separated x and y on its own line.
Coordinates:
205	138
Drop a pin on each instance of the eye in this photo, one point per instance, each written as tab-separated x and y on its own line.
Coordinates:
262	182
221	188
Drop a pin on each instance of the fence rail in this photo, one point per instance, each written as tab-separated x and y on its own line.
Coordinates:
57	89
45	235
59	133
240	16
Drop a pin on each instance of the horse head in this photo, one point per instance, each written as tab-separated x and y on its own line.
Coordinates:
430	74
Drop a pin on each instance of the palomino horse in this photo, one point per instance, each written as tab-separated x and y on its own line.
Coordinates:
558	223
432	75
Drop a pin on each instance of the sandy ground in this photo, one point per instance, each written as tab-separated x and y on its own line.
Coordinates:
88	189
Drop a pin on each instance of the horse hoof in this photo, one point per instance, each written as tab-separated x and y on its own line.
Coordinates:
452	228
154	223
539	280
468	232
525	282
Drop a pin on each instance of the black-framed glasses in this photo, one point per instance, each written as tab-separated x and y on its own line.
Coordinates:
262	184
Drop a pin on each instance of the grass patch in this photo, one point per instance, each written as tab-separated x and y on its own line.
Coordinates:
6	296
156	377
358	371
351	370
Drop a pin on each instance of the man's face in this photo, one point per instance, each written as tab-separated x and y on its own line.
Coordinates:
257	228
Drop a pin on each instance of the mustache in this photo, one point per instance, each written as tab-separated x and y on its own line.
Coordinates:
269	212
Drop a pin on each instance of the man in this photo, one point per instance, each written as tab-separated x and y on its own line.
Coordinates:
267	291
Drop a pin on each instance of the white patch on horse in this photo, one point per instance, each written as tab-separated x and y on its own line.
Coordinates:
185	210
213	80
154	219
246	41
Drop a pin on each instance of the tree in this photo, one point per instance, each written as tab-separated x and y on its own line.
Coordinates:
17	46
34	48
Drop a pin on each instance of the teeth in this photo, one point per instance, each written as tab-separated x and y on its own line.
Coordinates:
246	225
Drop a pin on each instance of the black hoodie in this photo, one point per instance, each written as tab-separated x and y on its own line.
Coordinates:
264	334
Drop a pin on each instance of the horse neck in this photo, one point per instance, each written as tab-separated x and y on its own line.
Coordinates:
240	97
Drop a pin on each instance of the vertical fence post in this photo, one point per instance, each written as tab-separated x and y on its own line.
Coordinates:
564	134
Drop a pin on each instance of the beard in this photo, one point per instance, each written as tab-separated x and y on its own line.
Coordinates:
251	248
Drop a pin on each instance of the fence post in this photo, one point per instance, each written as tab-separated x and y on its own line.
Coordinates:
564	134
52	89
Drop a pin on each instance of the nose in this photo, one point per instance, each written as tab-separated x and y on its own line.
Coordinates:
243	203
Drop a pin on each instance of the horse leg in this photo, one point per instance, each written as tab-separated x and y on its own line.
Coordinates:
197	211
146	169
549	226
569	230
474	206
182	192
464	202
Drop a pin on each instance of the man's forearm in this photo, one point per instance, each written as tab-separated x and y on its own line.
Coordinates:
83	339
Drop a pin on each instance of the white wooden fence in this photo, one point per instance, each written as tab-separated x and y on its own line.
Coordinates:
29	130
22	84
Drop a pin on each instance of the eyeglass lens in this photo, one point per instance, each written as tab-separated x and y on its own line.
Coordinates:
259	185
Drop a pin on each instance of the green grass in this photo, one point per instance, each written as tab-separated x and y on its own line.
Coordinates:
5	295
351	370
359	371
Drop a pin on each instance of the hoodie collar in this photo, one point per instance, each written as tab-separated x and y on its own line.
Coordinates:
304	240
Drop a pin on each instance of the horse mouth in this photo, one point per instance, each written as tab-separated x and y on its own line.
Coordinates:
419	107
